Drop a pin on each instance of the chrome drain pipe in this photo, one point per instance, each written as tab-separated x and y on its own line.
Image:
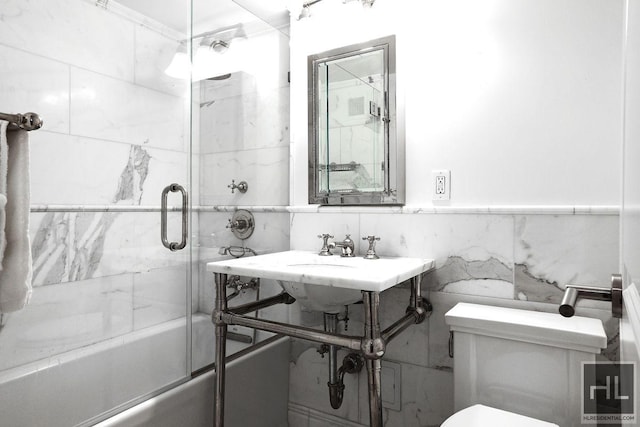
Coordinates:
336	388
351	364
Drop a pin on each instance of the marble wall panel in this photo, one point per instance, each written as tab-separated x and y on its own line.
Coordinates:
30	82
111	173
306	227
239	83
248	121
552	252
57	179
271	233
67	316
265	171
70	246
137	246
426	398
159	295
100	41
473	253
111	109
164	167
153	54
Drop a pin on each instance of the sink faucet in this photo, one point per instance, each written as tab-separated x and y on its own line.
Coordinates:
371	252
347	246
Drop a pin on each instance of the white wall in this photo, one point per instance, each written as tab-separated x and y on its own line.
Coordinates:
520	100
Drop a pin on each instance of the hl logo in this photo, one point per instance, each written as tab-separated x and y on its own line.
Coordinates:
608	389
608	393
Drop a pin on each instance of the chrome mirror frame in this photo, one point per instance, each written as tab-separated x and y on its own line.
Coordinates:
394	161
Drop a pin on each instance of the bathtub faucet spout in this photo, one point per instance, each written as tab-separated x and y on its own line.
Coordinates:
613	294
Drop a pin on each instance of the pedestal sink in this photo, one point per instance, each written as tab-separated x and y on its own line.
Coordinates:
325	283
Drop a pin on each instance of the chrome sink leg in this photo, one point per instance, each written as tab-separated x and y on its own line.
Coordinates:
221	348
373	349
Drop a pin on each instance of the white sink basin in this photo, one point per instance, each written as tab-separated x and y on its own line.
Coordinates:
325	283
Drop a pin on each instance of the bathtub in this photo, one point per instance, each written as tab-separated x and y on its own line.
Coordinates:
70	389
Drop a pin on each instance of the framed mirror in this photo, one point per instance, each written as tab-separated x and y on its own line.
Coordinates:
354	154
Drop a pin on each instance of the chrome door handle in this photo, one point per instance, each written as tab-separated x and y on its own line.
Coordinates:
173	246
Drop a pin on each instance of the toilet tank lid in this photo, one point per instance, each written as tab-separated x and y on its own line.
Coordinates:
575	333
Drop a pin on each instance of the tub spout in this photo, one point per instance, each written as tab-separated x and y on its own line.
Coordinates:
613	294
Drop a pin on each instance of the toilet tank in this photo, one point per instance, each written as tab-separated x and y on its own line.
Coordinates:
522	361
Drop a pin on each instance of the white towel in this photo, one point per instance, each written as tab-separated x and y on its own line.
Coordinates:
15	277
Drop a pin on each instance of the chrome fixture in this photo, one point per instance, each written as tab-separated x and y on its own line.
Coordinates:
371	252
613	294
174	246
242	224
351	364
239	286
325	251
351	182
236	251
347	246
241	187
26	121
336	389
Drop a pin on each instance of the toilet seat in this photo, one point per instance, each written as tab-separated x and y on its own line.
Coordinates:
485	416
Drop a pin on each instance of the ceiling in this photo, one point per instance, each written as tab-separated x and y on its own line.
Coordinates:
210	15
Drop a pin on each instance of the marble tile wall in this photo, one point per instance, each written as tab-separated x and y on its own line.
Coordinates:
116	133
244	128
520	260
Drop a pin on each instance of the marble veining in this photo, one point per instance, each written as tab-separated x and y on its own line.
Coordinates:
551	252
68	246
456	269
133	176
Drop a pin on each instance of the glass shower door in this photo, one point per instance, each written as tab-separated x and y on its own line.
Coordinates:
108	322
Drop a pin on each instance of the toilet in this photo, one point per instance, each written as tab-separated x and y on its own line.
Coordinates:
485	416
519	367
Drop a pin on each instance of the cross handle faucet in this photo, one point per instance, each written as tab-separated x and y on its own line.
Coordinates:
371	252
325	250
